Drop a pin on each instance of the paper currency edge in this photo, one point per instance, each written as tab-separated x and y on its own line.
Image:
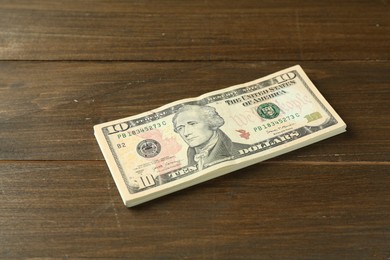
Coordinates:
135	199
131	200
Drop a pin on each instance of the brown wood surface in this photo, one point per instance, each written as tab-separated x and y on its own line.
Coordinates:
68	65
194	30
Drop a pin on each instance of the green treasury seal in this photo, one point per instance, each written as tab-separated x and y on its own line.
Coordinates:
268	110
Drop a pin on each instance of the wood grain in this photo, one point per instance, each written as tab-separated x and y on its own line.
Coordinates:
50	107
194	30
68	65
57	209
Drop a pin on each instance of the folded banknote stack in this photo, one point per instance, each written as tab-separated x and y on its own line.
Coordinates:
193	140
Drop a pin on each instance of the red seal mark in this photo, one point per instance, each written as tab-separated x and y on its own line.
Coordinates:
244	134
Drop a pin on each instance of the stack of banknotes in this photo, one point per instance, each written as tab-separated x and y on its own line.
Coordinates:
193	140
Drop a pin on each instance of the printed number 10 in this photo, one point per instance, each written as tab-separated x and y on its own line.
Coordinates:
146	181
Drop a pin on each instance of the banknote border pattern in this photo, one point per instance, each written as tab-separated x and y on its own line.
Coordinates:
306	130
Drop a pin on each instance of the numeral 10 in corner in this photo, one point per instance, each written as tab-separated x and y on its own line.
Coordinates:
146	181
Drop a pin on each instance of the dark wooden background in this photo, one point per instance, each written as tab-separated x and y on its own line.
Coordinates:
68	65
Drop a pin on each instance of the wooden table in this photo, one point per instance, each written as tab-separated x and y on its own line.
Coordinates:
68	65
